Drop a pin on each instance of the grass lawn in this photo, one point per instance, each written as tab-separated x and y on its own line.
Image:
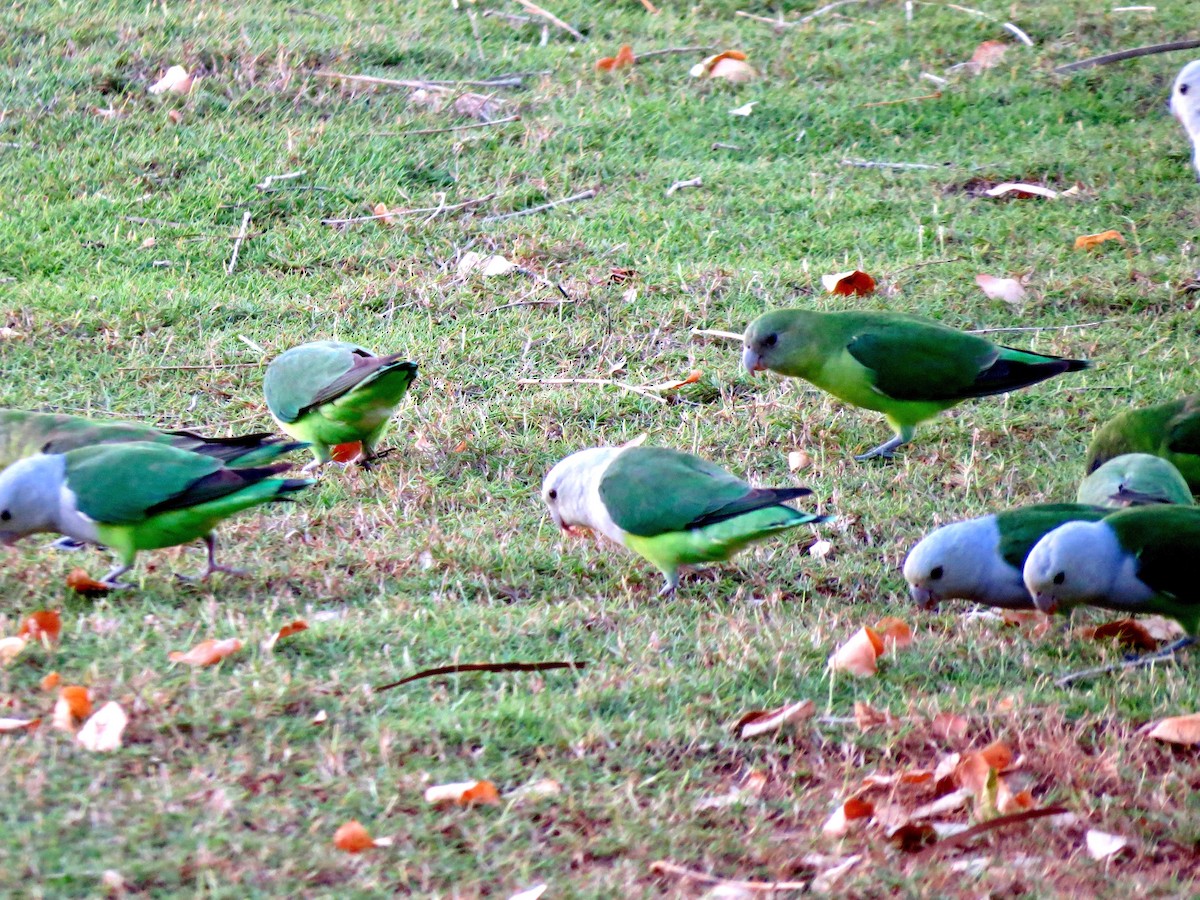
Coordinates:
121	210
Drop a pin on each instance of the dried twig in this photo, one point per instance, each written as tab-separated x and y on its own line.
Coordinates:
271	179
873	164
974	831
680	185
934	96
237	243
717	333
482	667
142	221
199	368
717	145
603	382
552	19
387	82
488	124
1037	328
668	51
531	303
650	7
816	13
437	210
1126	54
665	867
928	262
574	198
1007	26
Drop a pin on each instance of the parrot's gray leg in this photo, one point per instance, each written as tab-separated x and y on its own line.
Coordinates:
111	576
68	544
210	541
668	589
884	450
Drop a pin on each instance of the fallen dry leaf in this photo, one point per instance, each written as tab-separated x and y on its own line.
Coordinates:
175	80
45	625
102	732
867	717
949	727
849	284
83	584
9	334
1010	290
320	717
175	116
353	838
206	653
896	633
9	725
473	263
77	699
1127	632
1177	730
827	879
478	106
797	460
622	60
286	631
530	893
1102	845
730	65
820	549
745	109
675	385
10	649
543	787
1007	802
854	809
988	55
1021	190
463	793
760	721
857	656
51	681
385	215
1089	241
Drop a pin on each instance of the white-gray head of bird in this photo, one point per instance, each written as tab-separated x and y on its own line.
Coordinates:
1185	98
1081	562
961	561
31	497
571	490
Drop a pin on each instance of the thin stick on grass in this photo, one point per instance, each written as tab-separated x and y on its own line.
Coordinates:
603	382
271	179
650	7
666	867
438	210
386	82
717	333
1007	26
680	185
139	220
237	243
481	667
668	51
874	164
1121	55
1036	328
803	20
574	198
936	95
196	368
506	119
974	831
552	19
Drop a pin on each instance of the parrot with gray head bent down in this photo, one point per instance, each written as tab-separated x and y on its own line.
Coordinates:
1185	106
131	497
982	559
25	434
908	368
1170	430
1135	479
670	508
328	393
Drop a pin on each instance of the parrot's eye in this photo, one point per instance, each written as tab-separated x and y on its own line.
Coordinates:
1060	577
5	515
552	494
937	573
1183	89
769	340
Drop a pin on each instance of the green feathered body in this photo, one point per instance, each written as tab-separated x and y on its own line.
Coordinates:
1165	542
1021	528
1170	430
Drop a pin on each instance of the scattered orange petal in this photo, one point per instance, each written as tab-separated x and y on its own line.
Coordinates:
730	65
857	656
1177	730
762	721
622	60
384	214
353	838
81	583
9	725
291	628
838	824
51	681
949	727
1008	802
849	284
461	446
45	625
997	755
692	378
206	653
175	116
344	453
78	700
989	54
895	633
175	80
1088	241
463	793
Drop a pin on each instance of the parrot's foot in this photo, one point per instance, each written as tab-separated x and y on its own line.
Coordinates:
68	544
110	579
210	542
668	589
1167	654
367	459
314	466
886	450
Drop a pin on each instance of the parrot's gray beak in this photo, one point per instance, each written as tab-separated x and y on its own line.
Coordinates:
752	361
1047	603
923	597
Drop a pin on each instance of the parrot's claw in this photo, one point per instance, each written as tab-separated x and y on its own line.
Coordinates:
886	450
68	544
110	579
314	466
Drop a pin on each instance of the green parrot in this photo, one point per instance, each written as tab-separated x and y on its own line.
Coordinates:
330	392
1138	560
1135	479
982	559
670	508
1170	430
132	496
27	433
906	367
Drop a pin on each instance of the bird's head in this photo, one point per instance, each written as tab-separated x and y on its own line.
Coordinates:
568	488
954	562
29	497
1185	98
1075	563
777	341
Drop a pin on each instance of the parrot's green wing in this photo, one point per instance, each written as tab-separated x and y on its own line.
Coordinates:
651	490
312	374
124	483
917	360
1021	528
1164	539
1183	435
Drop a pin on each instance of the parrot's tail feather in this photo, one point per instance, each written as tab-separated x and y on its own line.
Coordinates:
782	495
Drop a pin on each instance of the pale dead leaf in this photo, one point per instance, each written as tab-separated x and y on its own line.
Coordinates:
530	893
730	65
535	790
385	216
988	55
949	727
1021	190
867	717
944	804
820	549
797	460
10	649
7	725
856	283
896	633
206	653
1007	289
759	722
463	793
1176	730
320	718
853	810
429	99
478	106
102	732
175	80
9	334
827	879
473	263
1102	845
745	109
857	656
1091	241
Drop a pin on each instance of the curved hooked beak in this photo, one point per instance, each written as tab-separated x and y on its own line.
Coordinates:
923	597
752	361
1047	603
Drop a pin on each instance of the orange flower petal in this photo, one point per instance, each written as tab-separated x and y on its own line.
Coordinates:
78	700
353	838
206	653
44	625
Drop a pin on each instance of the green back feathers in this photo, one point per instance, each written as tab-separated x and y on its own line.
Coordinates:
1165	541
1021	528
1170	430
313	374
652	490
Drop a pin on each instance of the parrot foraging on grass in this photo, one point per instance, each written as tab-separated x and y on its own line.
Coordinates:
906	367
25	434
1185	106
1135	479
131	497
982	559
670	508
1170	430
1138	560
330	392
